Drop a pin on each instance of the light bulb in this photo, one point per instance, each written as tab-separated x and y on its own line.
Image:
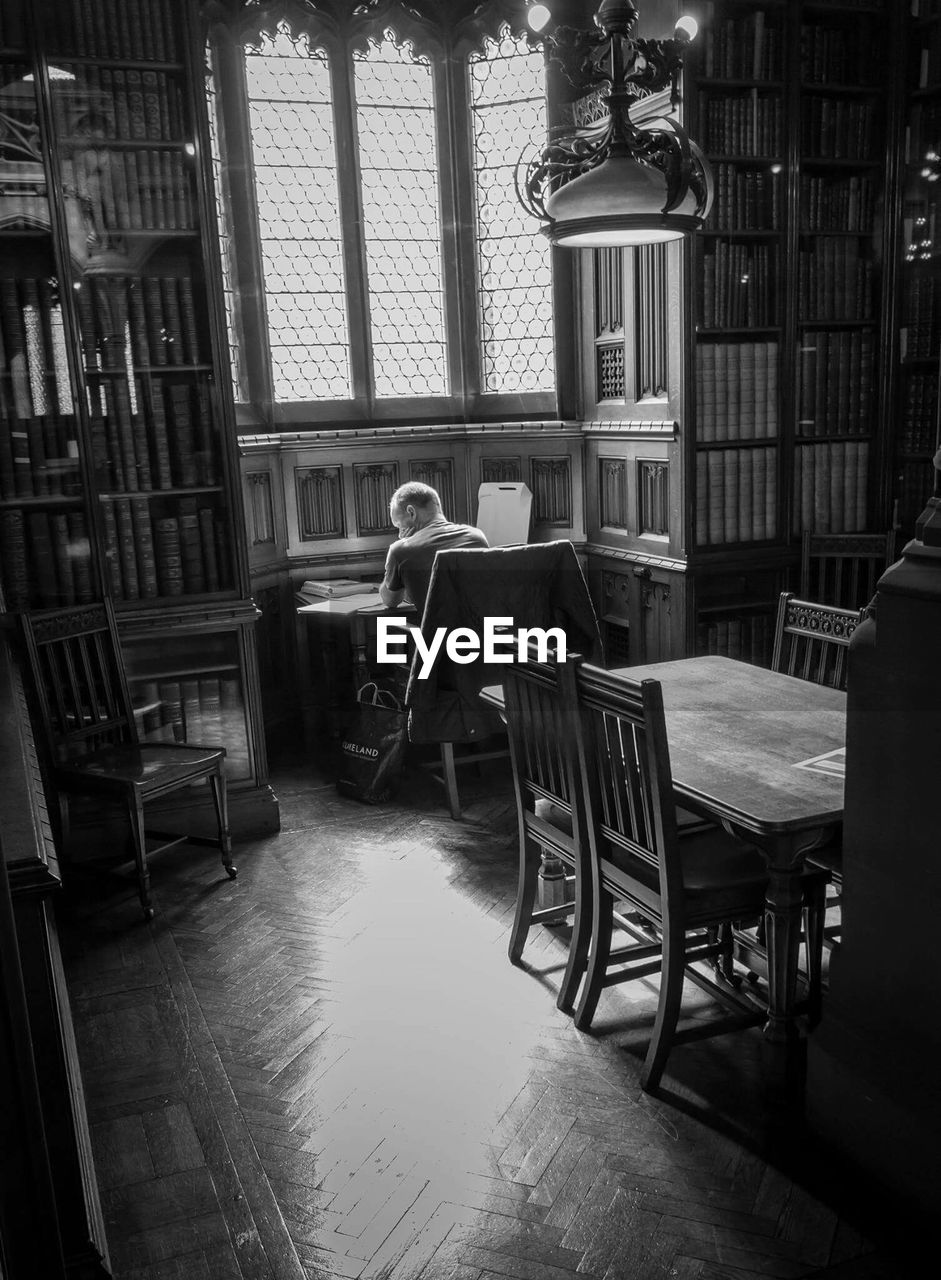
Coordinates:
686	29
537	16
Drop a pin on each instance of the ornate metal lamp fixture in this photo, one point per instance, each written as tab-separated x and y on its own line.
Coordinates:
621	182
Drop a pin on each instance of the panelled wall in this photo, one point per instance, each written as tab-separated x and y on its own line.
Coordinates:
317	506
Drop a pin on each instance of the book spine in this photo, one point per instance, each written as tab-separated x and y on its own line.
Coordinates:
168	556
127	549
80	554
144	547
43	559
13	559
181	435
191	548
112	552
210	559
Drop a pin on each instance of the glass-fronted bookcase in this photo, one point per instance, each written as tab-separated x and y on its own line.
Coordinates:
118	473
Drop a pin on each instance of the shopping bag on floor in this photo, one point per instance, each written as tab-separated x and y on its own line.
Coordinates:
372	747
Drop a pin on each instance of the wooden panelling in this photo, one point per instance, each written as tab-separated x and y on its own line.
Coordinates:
653	498
501	470
319	503
612	493
373	486
551	484
259	509
439	473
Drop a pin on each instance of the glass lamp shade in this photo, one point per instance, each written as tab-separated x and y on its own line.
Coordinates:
621	203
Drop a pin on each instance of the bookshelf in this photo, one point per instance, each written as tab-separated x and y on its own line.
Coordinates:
792	299
118	473
917	437
772	335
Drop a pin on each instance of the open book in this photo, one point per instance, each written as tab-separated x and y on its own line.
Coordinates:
334	589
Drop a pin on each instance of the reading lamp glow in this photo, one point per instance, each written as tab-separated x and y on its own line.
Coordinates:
622	183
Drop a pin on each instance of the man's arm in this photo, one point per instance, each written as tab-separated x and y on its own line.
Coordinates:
393	588
389	596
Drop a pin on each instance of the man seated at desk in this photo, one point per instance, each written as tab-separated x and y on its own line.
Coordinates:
424	530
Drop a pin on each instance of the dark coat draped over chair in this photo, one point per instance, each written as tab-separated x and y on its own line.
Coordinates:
537	586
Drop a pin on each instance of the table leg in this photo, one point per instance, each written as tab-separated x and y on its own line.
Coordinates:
783	903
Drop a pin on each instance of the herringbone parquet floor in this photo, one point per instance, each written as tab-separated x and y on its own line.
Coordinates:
328	1068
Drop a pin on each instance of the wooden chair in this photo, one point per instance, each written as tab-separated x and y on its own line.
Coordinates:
693	890
842	569
540	728
531	586
811	641
91	735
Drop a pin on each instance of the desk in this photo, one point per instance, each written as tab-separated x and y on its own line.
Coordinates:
736	734
342	628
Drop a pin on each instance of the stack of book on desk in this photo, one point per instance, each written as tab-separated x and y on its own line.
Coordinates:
334	589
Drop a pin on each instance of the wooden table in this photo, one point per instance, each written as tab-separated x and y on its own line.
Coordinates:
737	735
340	631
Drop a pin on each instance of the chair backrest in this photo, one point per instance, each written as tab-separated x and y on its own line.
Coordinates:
541	721
843	568
540	585
627	786
811	640
79	679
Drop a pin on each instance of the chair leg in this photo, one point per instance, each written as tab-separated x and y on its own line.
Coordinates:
668	1007
525	898
221	803
815	912
135	809
578	952
599	952
449	774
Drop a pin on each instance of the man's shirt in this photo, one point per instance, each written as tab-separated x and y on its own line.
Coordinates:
410	560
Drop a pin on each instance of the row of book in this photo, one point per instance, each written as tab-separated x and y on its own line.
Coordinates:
144	30
146	189
834	281
837	204
34	371
38	457
830	485
45	558
746	199
204	711
149	553
150	320
131	104
736	390
146	435
736	495
919	430
921	318
740	285
746	637
739	48
838	128
835	382
838	54
742	124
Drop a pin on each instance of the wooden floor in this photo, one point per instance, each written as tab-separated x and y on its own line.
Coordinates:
329	1068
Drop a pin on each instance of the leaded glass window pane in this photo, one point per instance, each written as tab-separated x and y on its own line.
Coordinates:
294	154
398	156
514	279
